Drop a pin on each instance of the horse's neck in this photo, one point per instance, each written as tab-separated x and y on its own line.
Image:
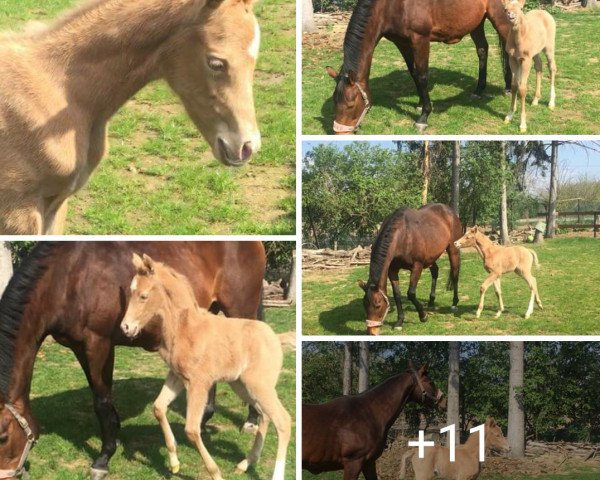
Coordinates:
370	39
484	246
389	398
116	48
471	446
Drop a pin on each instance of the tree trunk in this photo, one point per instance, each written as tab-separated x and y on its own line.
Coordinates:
452	413
308	18
551	215
504	238
516	413
347	369
456	177
6	269
363	367
426	171
291	296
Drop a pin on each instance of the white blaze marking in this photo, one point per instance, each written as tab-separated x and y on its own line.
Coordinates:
134	285
255	44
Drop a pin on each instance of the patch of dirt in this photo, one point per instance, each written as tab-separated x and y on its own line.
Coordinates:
326	276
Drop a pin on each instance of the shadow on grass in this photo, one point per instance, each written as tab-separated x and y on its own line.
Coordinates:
394	90
70	415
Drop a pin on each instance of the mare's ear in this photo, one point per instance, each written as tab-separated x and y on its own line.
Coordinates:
149	264
351	76
331	72
423	369
138	263
362	285
411	365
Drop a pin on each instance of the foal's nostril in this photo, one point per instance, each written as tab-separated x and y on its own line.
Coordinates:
246	152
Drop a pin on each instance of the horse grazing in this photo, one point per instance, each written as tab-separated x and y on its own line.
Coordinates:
349	433
61	84
411	25
201	349
436	462
498	260
530	34
412	240
77	292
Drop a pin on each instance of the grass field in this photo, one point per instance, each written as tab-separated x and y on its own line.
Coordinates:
568	283
160	177
453	76
69	441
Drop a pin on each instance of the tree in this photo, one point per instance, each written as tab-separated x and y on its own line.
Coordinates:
504	238
516	411
551	214
308	18
6	269
456	177
347	369
426	172
363	366
453	416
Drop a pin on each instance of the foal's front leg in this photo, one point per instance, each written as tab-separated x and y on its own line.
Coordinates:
172	387
484	286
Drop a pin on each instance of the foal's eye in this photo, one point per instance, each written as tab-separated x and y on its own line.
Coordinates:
143	296
216	64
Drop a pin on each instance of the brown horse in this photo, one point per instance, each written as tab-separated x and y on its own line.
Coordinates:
200	349
411	25
411	240
77	292
61	84
350	432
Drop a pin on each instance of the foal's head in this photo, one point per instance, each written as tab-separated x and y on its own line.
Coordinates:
210	65
352	102
469	239
376	304
514	10
494	438
425	391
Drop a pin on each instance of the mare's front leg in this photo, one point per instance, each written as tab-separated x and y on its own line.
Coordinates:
97	358
393	276
492	277
482	46
415	274
172	387
369	471
409	58
434	276
352	469
421	54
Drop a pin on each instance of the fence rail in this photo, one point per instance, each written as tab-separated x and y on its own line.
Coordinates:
595	225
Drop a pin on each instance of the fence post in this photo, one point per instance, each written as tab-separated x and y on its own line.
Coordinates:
596	224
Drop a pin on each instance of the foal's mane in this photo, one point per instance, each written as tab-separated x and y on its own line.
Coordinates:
381	246
12	306
179	278
353	42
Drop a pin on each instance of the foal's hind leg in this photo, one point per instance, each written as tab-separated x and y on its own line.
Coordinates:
532	282
172	387
515	68
484	286
537	61
552	67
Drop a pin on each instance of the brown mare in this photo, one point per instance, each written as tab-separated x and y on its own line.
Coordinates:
61	84
436	462
411	25
411	240
349	433
201	349
77	292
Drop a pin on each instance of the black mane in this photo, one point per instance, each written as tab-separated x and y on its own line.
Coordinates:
12	305
353	43
381	246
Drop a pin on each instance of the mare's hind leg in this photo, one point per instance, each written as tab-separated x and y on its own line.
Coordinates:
484	286
369	470
434	276
537	62
352	469
482	46
498	289
172	387
393	276
97	360
421	48
454	258
415	274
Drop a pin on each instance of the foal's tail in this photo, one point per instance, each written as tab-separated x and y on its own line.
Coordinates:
535	258
405	458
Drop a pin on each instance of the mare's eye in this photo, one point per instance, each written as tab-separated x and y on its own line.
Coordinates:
216	64
3	438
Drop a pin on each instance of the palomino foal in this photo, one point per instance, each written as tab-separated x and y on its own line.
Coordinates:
498	260
60	85
201	349
531	33
436	462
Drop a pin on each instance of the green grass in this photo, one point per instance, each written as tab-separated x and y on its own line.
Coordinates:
159	176
69	441
453	76
568	283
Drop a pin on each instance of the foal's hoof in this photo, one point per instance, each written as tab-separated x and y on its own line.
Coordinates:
523	129
98	474
174	469
507	119
249	427
421	127
551	107
535	102
242	467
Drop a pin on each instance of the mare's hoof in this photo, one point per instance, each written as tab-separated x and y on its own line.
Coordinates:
507	93
476	95
424	319
174	469
454	308
98	474
419	108
249	427
398	328
421	127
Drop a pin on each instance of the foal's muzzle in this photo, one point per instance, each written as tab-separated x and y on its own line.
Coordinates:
235	154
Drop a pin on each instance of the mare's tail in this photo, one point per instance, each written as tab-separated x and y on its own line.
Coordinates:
405	457
260	313
535	258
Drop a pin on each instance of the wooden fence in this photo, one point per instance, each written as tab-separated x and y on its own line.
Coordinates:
595	225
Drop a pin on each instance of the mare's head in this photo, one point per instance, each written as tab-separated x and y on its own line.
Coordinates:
210	65
469	239
376	304
494	439
352	102
147	301
15	440
425	391
514	10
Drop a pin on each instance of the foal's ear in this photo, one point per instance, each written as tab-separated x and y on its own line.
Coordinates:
362	285
138	263
331	72
149	264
